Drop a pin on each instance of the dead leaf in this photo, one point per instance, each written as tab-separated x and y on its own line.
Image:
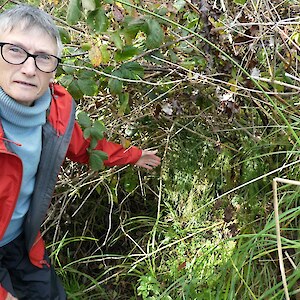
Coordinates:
118	13
95	56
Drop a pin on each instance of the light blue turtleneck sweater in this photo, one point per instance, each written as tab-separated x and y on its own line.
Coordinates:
23	125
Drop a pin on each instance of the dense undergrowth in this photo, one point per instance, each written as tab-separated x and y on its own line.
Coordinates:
214	85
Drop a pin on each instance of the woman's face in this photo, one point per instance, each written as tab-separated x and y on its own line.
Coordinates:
25	83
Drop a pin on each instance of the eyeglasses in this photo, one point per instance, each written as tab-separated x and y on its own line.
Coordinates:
16	55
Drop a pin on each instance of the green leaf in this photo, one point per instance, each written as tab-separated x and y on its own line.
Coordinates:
67	69
115	85
74	90
179	4
132	26
131	70
86	46
86	74
64	35
136	25
99	126
73	12
88	4
130	180
116	39
124	103
105	54
93	142
102	154
240	1
155	34
172	55
87	133
126	53
96	134
98	20
88	87
84	120
66	80
96	159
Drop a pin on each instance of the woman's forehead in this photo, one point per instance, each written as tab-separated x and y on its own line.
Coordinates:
32	39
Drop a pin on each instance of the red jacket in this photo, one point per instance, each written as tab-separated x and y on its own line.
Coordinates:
62	137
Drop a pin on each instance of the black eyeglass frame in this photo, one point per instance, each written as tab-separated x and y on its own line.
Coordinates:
34	56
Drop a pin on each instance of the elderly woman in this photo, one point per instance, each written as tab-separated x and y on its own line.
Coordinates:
37	131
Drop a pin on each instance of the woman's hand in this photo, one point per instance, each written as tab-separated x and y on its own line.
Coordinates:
148	160
10	297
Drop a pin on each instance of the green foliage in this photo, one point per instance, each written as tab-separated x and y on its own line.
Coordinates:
95	132
149	288
73	12
154	33
98	20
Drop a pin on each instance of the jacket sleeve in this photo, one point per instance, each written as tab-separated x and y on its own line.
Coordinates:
3	293
117	155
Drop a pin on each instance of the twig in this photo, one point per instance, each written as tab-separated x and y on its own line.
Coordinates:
4	4
160	83
277	223
290	260
276	82
110	213
129	237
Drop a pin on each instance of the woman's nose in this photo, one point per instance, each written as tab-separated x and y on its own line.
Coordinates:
29	67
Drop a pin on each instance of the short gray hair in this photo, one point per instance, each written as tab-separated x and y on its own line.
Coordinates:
29	17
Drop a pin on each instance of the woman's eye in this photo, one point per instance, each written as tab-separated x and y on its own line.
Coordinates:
16	49
44	57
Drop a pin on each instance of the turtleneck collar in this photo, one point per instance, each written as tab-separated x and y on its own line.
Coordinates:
21	115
